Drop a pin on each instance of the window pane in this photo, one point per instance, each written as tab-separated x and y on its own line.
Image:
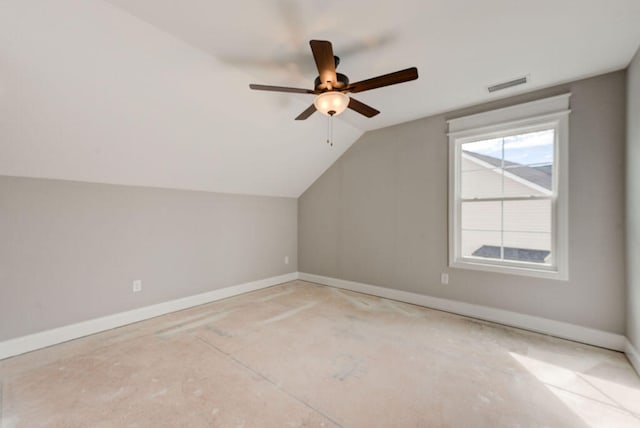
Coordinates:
472	162
527	216
481	226
528	247
489	148
526	180
474	243
525	160
533	148
480	184
507	230
528	158
481	216
527	230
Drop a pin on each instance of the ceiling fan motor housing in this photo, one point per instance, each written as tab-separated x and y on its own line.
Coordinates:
342	82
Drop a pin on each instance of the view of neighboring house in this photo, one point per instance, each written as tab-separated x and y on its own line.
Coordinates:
493	227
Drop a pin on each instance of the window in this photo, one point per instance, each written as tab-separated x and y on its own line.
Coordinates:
508	189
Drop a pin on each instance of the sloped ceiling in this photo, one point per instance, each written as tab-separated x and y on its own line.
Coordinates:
155	92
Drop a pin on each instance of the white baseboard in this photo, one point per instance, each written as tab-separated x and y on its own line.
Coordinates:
528	322
23	344
563	330
632	355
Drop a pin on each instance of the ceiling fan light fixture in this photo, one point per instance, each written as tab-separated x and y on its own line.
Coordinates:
331	103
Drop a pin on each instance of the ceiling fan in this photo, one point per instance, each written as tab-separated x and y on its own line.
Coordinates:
331	88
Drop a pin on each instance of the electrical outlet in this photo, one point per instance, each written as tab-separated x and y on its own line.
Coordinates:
286	260
444	278
137	285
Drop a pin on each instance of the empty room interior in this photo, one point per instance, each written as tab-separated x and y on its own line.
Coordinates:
325	214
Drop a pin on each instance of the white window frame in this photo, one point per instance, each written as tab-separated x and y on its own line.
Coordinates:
548	113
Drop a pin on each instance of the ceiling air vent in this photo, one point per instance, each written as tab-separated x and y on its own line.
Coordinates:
509	84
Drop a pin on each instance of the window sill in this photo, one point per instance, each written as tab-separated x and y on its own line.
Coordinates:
549	273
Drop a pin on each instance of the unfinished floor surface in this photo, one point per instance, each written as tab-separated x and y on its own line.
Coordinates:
300	354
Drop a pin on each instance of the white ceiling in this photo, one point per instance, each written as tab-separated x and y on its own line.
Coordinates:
155	92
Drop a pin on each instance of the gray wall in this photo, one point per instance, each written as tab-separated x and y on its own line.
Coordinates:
379	214
69	251
633	202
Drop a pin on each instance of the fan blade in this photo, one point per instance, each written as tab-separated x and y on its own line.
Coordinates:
281	89
384	80
308	112
323	55
362	108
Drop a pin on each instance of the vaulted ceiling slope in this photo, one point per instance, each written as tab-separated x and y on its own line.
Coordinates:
155	92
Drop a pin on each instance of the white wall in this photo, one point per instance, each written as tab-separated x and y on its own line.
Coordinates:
69	251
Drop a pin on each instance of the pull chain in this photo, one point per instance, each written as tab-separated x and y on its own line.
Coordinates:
330	131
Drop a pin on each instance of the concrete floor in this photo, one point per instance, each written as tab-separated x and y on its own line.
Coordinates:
299	354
